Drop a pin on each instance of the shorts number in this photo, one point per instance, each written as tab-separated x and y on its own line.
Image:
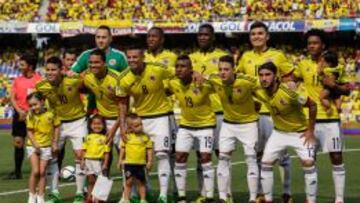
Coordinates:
63	99
336	143
144	89
311	152
166	142
189	102
208	142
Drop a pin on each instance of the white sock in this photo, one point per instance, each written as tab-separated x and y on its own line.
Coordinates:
252	176
80	178
32	198
310	183
40	199
180	178
223	175
229	192
285	173
209	177
339	181
267	181
164	172
52	176
200	177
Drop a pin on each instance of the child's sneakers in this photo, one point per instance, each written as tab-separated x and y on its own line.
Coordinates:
54	197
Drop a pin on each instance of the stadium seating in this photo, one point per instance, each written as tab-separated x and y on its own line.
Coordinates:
186	10
21	10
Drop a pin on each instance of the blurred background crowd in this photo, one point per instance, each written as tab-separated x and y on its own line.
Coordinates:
176	10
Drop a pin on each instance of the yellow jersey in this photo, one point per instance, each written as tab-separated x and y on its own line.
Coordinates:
194	102
147	89
105	92
237	98
207	64
307	70
95	146
165	57
251	60
135	148
64	98
286	108
43	126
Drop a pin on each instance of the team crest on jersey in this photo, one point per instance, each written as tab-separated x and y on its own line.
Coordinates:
214	61
282	101
238	90
165	61
112	62
152	78
249	61
196	90
100	141
69	88
110	88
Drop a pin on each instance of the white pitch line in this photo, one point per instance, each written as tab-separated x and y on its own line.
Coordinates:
151	174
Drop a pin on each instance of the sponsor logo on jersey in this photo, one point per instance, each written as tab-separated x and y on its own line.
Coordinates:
112	62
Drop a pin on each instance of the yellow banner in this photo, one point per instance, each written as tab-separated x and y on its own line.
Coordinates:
323	24
110	23
71	25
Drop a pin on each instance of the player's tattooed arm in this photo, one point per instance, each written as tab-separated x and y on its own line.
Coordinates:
330	82
309	133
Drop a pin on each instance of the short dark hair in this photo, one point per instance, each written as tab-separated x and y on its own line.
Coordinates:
30	59
99	52
269	66
69	51
97	116
132	116
54	60
228	59
259	24
38	95
136	46
331	58
159	29
183	57
318	33
207	26
105	27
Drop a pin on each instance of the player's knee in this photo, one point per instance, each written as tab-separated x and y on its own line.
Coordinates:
205	157
336	158
307	163
162	155
181	157
226	156
18	142
35	172
42	173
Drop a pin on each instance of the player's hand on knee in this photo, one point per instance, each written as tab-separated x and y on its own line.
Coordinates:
309	138
105	170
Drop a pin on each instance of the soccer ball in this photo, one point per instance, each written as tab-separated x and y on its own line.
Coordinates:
68	173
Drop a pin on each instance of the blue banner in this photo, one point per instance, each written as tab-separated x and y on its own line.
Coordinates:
285	26
358	25
347	24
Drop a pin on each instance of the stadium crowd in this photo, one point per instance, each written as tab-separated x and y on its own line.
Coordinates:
21	10
199	10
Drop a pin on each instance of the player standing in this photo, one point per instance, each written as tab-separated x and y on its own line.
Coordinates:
291	129
327	129
144	82
239	123
63	94
248	64
205	61
197	124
